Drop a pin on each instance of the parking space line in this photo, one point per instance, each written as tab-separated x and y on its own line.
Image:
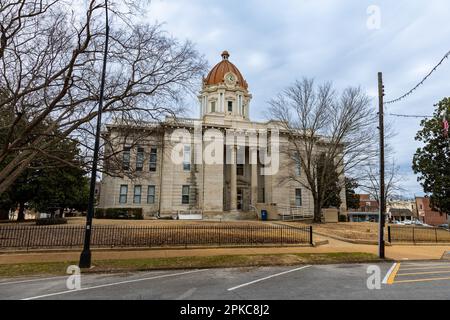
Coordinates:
267	278
422	280
32	280
419	273
427	267
431	264
60	277
112	284
390	275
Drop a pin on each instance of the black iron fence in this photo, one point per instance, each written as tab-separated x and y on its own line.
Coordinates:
418	235
38	237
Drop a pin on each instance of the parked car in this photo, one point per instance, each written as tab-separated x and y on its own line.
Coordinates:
444	226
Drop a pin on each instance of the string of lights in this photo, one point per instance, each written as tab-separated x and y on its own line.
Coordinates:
420	83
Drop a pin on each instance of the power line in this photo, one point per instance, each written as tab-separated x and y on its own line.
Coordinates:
408	115
421	82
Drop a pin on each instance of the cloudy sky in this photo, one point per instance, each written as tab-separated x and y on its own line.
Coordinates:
274	42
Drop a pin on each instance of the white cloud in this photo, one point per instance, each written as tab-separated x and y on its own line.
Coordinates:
275	42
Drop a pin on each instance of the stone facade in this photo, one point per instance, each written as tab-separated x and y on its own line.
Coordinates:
229	188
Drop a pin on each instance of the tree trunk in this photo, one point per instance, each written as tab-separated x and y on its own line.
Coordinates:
4	214
317	211
21	214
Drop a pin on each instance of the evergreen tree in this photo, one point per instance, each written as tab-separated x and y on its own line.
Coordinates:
432	161
350	194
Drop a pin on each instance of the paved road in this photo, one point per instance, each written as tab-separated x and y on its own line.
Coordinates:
407	280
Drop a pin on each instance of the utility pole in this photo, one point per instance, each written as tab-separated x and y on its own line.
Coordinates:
382	197
85	258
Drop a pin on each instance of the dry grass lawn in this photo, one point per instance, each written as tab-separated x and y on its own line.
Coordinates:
368	231
150	233
155	223
347	230
351	230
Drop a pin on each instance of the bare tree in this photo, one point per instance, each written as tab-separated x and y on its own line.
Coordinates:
369	181
49	75
335	131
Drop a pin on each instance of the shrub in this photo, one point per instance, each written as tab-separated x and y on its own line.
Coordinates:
51	221
342	218
119	213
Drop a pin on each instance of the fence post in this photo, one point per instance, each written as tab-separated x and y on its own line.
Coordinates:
29	237
311	235
389	234
435	231
414	235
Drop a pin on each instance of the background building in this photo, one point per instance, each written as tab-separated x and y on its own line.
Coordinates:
427	214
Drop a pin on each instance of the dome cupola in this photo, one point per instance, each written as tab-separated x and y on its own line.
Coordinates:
225	92
222	72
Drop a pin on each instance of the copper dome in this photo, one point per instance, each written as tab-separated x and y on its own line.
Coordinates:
217	74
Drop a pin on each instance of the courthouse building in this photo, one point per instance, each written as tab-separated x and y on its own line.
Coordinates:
228	190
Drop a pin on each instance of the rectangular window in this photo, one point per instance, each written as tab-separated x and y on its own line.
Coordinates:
185	195
187	158
153	159
230	106
298	197
123	194
137	194
126	158
213	106
140	159
151	195
240	170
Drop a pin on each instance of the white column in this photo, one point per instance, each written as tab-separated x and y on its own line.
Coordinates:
233	194
254	182
237	104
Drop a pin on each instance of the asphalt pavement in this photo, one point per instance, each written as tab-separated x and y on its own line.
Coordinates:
384	281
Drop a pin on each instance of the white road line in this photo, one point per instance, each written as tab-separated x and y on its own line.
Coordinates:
112	284
266	278
32	280
386	278
426	264
56	278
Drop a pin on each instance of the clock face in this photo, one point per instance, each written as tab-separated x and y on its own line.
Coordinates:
230	78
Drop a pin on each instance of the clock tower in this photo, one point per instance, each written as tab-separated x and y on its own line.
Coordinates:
225	93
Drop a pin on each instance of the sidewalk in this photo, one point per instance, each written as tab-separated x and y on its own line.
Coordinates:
392	252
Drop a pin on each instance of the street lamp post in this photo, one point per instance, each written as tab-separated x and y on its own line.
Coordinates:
382	197
85	258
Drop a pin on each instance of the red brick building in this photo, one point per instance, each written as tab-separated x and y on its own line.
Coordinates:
367	211
367	203
427	214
